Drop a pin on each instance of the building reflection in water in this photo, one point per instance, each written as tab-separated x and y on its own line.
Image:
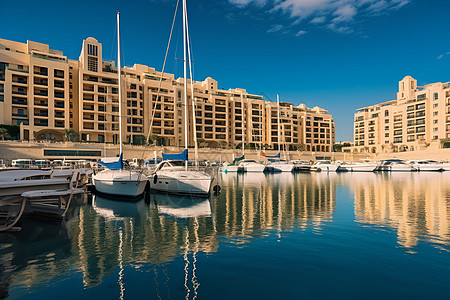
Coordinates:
112	237
416	205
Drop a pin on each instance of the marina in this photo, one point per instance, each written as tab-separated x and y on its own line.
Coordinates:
318	235
285	163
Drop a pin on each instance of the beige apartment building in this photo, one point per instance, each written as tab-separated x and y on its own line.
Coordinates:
418	119
45	93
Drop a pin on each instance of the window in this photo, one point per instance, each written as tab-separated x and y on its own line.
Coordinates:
435	121
92	50
386	113
386	135
435	105
435	129
435	113
386	121
92	64
435	96
435	137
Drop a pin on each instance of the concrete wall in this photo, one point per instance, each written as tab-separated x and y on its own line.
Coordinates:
10	150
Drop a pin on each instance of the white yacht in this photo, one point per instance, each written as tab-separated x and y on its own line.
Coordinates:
171	176
395	165
232	168
280	166
250	165
427	165
366	166
115	181
325	166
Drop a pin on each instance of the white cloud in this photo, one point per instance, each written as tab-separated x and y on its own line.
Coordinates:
341	14
442	55
275	28
300	33
318	20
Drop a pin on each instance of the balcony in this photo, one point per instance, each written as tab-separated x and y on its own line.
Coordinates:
40	103
91	117
59	95
20	80
59	115
41	114
22	115
18	70
41	123
59	104
24	93
41	93
59	84
42	82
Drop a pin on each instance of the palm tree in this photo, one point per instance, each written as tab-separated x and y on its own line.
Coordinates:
69	132
4	134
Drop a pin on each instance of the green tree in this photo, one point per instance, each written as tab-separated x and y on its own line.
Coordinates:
4	134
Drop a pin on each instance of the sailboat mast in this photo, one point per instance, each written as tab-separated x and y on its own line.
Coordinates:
243	130
194	128
185	78
279	126
120	81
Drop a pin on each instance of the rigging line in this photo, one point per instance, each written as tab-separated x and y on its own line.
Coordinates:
161	79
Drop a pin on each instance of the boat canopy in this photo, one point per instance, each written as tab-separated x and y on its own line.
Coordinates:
112	163
180	156
238	159
273	157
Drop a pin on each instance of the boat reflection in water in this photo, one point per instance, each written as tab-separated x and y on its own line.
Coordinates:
181	206
415	205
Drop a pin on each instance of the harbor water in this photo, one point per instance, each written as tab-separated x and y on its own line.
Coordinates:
265	236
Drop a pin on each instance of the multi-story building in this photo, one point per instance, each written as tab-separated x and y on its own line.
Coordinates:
45	93
416	119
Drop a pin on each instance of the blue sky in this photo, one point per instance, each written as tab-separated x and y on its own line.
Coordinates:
337	54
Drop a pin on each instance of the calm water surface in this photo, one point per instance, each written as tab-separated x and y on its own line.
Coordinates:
308	236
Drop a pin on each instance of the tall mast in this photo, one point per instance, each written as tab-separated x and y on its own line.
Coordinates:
279	125
120	81
243	130
185	78
194	128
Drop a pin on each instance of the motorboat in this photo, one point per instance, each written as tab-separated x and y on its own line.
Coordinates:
121	182
232	168
250	165
395	165
117	181
325	166
172	176
279	166
427	165
366	166
16	182
301	166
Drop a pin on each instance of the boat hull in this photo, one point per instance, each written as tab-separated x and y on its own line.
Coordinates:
120	183
280	168
357	168
181	183
254	168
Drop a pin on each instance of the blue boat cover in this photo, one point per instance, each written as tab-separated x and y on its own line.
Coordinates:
236	160
113	164
276	156
180	156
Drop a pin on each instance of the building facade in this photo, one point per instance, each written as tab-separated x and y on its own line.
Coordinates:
418	119
49	95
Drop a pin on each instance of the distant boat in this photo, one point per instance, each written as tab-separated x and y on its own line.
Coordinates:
395	165
366	166
116	181
325	166
427	165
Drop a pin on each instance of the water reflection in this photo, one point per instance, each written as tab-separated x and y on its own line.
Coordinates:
416	205
102	245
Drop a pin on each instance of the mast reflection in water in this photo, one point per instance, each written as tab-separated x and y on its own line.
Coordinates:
265	236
